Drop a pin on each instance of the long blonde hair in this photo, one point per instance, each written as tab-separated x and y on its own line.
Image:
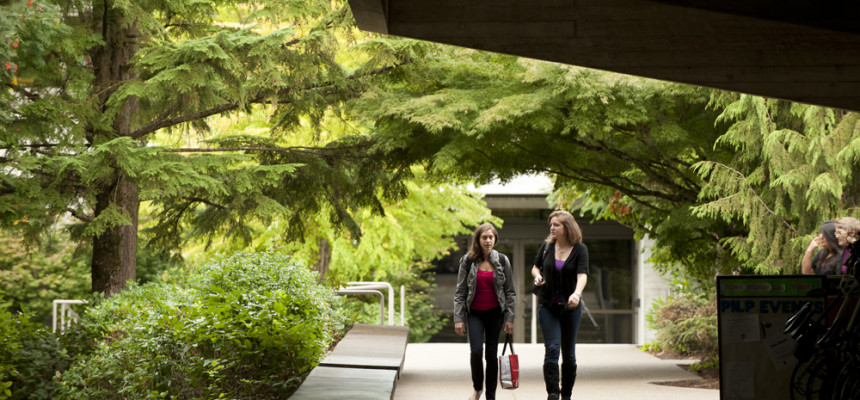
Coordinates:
571	228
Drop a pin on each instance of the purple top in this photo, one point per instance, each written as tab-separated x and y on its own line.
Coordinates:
845	254
558	265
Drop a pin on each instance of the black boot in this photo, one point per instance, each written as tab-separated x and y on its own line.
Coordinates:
550	377
568	377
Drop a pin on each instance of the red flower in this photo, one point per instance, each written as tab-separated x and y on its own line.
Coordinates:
8	65
15	45
40	8
29	3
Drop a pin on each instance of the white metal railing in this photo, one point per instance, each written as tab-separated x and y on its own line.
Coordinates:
363	287
65	311
368	291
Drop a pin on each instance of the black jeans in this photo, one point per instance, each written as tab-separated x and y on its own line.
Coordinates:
481	323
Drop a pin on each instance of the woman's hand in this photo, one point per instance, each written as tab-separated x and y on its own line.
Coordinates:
539	280
816	243
573	300
509	328
460	328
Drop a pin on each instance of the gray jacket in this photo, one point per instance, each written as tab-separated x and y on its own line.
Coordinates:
503	282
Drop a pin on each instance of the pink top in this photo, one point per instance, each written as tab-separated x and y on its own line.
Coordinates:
845	254
485	292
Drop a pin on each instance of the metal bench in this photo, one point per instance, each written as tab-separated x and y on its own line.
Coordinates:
334	383
364	365
371	347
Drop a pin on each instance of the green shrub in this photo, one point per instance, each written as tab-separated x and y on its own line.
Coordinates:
32	277
246	326
686	323
41	357
9	346
653	347
713	362
29	357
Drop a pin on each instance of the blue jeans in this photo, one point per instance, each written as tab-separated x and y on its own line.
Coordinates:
559	327
480	323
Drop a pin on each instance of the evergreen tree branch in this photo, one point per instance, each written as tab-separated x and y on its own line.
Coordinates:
641	134
159	124
622	184
600	179
294	149
162	122
30	145
48	153
586	175
760	200
25	92
635	189
683	193
76	214
669	162
177	25
204	201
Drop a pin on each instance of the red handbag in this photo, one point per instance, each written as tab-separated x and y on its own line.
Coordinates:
509	366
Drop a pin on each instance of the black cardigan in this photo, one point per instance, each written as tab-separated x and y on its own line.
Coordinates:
560	284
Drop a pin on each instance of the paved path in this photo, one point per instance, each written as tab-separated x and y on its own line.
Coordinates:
440	371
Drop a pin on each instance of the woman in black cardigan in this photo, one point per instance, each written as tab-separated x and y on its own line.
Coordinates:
560	273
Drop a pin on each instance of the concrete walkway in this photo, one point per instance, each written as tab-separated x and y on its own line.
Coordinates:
435	371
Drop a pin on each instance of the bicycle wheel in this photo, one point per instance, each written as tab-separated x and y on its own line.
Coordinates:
820	377
843	379
850	389
799	377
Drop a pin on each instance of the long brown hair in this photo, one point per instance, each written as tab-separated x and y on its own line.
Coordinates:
833	260
475	253
571	228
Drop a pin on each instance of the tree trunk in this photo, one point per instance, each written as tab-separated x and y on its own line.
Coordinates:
322	266
115	251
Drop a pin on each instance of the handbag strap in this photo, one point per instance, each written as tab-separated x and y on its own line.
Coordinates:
509	340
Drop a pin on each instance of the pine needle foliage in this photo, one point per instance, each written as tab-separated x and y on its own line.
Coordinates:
722	182
793	169
90	84
492	116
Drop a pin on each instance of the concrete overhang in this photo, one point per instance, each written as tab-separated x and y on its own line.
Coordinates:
799	50
517	202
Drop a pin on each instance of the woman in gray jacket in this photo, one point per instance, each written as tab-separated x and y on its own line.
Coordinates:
484	299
